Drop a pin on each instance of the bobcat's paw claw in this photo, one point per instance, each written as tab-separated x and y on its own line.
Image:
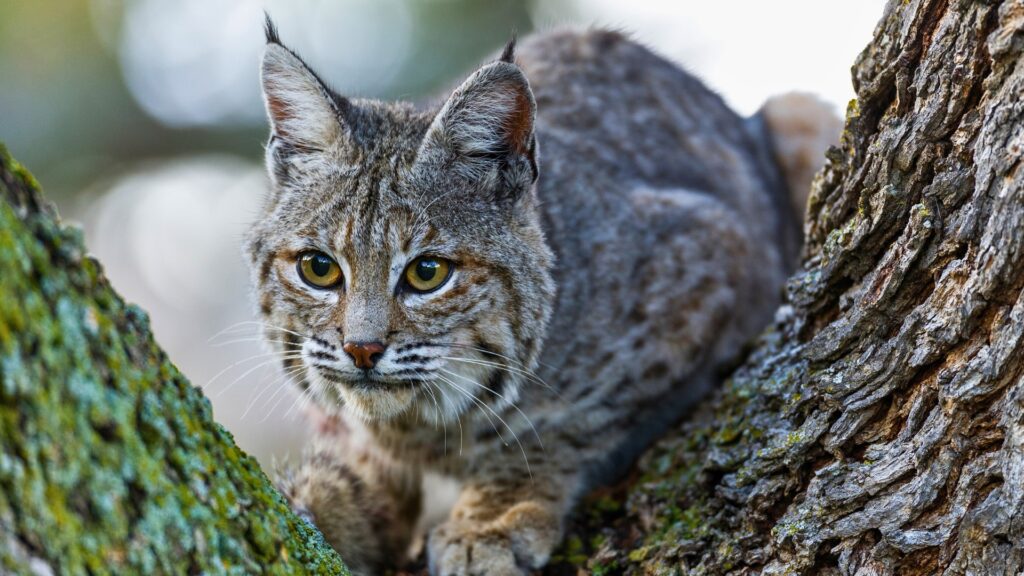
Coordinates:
516	542
458	549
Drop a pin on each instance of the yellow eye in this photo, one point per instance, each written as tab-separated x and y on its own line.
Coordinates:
427	273
319	270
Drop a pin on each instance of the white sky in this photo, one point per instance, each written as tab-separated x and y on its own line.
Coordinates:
746	50
193	62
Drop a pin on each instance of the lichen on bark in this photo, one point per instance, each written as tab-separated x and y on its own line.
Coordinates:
110	461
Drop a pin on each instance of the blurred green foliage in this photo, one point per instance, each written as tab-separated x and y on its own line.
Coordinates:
67	111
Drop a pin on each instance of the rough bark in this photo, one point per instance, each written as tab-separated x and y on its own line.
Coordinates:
110	462
878	428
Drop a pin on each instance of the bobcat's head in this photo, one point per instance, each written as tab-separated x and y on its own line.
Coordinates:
399	262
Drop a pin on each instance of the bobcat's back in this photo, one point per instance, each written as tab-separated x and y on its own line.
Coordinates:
638	118
671	226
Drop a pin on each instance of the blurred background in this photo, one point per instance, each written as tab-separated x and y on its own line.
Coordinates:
143	121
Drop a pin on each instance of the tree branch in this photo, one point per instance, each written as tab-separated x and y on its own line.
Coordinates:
110	461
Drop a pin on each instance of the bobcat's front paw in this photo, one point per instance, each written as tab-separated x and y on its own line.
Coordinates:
519	540
325	492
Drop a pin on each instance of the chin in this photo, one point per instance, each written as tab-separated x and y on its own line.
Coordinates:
377	404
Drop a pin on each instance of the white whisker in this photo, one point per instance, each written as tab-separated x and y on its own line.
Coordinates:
282	390
233	328
252	402
310	389
480	403
244	325
522	368
505	367
269	356
510	403
254	368
257	339
437	407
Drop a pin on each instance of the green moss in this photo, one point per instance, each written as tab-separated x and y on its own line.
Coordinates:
598	568
640	554
572	552
724	442
839	239
110	461
605	505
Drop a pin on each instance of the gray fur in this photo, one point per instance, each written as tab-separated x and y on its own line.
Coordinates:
589	305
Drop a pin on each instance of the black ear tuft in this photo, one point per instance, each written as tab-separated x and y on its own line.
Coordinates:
509	53
270	30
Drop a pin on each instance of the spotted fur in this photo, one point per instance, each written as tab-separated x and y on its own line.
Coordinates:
617	234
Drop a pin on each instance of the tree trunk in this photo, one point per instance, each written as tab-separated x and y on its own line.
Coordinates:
110	462
878	428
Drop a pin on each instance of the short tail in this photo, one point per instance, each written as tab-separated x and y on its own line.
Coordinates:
801	127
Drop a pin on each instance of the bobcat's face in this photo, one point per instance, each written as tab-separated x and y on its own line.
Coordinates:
399	262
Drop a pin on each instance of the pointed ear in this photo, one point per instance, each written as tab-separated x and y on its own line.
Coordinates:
303	112
486	128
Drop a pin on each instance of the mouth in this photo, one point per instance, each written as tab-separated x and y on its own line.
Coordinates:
369	396
369	380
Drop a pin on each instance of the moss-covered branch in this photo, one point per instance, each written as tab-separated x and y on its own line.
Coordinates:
110	461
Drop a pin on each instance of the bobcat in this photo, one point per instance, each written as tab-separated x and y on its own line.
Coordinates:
519	288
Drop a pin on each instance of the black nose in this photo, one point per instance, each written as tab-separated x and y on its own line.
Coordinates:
364	354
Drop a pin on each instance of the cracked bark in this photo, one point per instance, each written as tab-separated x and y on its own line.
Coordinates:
878	427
